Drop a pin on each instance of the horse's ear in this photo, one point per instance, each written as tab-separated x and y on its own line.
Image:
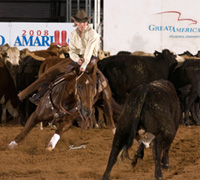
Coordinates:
75	68
92	66
71	67
92	69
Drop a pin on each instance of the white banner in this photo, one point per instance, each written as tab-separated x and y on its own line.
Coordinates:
149	25
35	36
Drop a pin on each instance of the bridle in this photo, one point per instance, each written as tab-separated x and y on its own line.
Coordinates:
75	93
78	98
61	111
85	120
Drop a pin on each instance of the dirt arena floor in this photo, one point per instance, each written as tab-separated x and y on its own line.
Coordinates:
31	161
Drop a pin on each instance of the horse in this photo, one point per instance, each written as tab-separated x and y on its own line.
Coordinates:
53	62
71	95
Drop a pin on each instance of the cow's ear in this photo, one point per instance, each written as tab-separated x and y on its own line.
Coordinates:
184	90
4	54
166	52
156	53
24	52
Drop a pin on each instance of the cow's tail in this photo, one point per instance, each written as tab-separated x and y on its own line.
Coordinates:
117	110
135	103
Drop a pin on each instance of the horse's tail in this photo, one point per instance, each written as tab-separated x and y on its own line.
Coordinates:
117	110
131	116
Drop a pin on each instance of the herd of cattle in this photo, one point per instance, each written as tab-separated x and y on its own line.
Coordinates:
158	91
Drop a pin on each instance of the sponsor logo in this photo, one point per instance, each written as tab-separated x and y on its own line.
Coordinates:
192	21
2	40
153	27
42	40
177	31
37	38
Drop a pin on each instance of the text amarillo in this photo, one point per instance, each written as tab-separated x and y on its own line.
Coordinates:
153	27
33	41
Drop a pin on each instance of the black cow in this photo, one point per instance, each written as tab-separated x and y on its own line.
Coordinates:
187	53
27	74
155	109
124	53
124	72
186	80
8	93
198	54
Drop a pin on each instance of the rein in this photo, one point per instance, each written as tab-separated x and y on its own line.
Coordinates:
84	120
75	93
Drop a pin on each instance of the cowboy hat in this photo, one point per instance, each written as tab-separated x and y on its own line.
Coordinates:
81	16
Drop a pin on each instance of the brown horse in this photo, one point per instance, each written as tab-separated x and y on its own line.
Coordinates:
53	62
71	95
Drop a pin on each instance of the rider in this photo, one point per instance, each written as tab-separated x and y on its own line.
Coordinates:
83	48
84	41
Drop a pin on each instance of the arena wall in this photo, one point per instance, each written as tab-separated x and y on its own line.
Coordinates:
35	36
149	25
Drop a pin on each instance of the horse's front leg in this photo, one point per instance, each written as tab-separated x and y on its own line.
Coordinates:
101	120
30	124
93	121
62	127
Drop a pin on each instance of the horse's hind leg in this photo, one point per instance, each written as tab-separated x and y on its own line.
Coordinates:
101	120
107	97
93	122
31	122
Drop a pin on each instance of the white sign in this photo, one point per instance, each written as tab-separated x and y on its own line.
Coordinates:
149	25
35	36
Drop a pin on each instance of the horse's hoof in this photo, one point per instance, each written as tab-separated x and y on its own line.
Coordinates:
198	123
114	130
187	124
96	126
39	127
49	148
53	127
12	145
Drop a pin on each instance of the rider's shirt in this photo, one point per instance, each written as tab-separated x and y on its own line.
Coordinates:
86	45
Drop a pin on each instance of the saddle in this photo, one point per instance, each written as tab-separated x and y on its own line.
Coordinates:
35	99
